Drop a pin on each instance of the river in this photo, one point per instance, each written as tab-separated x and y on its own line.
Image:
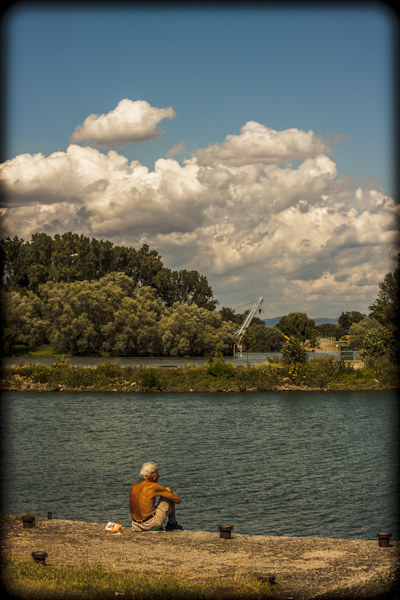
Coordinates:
279	463
251	358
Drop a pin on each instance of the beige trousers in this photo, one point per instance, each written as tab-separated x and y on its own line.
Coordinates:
163	509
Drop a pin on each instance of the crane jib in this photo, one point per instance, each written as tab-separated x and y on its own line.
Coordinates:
242	329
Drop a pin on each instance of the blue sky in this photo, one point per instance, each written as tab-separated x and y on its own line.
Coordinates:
325	70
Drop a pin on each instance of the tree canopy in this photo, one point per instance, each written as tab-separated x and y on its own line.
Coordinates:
84	296
297	325
386	308
71	257
347	319
113	315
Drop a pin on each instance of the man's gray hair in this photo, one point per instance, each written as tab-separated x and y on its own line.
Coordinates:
147	469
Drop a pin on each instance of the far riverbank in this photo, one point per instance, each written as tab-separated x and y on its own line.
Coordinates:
323	373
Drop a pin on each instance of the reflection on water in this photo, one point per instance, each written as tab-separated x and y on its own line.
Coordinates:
297	463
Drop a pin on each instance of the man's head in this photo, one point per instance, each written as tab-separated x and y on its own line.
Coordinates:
148	470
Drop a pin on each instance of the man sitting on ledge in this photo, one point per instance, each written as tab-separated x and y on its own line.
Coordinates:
146	516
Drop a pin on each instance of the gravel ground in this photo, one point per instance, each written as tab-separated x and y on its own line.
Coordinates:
305	568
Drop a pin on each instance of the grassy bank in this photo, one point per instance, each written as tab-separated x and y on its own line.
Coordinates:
216	376
31	581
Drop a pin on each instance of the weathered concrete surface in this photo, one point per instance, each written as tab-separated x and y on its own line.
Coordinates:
305	568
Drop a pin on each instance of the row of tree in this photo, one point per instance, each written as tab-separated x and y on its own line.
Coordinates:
71	257
110	315
86	296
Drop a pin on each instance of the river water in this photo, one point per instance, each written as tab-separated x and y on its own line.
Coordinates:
278	463
251	358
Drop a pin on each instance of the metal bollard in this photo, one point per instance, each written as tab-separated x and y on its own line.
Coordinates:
39	557
384	539
225	531
28	521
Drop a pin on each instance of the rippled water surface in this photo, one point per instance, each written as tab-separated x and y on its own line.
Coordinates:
296	464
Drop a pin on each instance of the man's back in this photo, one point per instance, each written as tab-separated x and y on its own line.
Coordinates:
141	499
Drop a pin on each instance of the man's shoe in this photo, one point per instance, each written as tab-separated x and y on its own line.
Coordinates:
172	527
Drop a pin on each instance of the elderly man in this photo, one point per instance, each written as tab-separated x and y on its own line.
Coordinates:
146	516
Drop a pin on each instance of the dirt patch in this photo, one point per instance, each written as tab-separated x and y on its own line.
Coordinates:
307	567
326	344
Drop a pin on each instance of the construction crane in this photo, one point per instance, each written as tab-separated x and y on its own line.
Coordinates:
242	329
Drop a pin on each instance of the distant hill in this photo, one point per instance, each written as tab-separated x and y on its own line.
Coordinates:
272	322
323	320
318	321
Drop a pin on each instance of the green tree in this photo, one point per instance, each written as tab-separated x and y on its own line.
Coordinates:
229	314
24	320
40	251
105	258
359	331
186	287
248	340
347	319
385	309
296	325
146	266
81	310
15	262
134	329
329	330
375	344
312	337
194	331
265	339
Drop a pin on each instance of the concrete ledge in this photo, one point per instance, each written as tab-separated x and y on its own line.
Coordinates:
308	567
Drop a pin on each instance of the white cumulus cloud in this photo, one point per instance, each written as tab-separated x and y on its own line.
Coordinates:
259	144
238	212
131	121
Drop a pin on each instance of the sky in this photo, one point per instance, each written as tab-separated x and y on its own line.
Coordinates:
252	144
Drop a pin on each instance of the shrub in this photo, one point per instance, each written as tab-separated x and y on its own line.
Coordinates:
217	367
41	374
151	380
293	352
108	369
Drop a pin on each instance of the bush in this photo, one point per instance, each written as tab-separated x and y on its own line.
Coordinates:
217	367
293	352
109	369
41	374
151	380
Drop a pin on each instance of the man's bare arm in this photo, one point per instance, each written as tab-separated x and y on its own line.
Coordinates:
166	492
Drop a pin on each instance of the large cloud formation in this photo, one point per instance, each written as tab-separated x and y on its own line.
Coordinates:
129	122
237	211
259	144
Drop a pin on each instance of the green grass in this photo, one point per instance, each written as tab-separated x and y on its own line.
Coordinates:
46	352
31	581
35	351
110	376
